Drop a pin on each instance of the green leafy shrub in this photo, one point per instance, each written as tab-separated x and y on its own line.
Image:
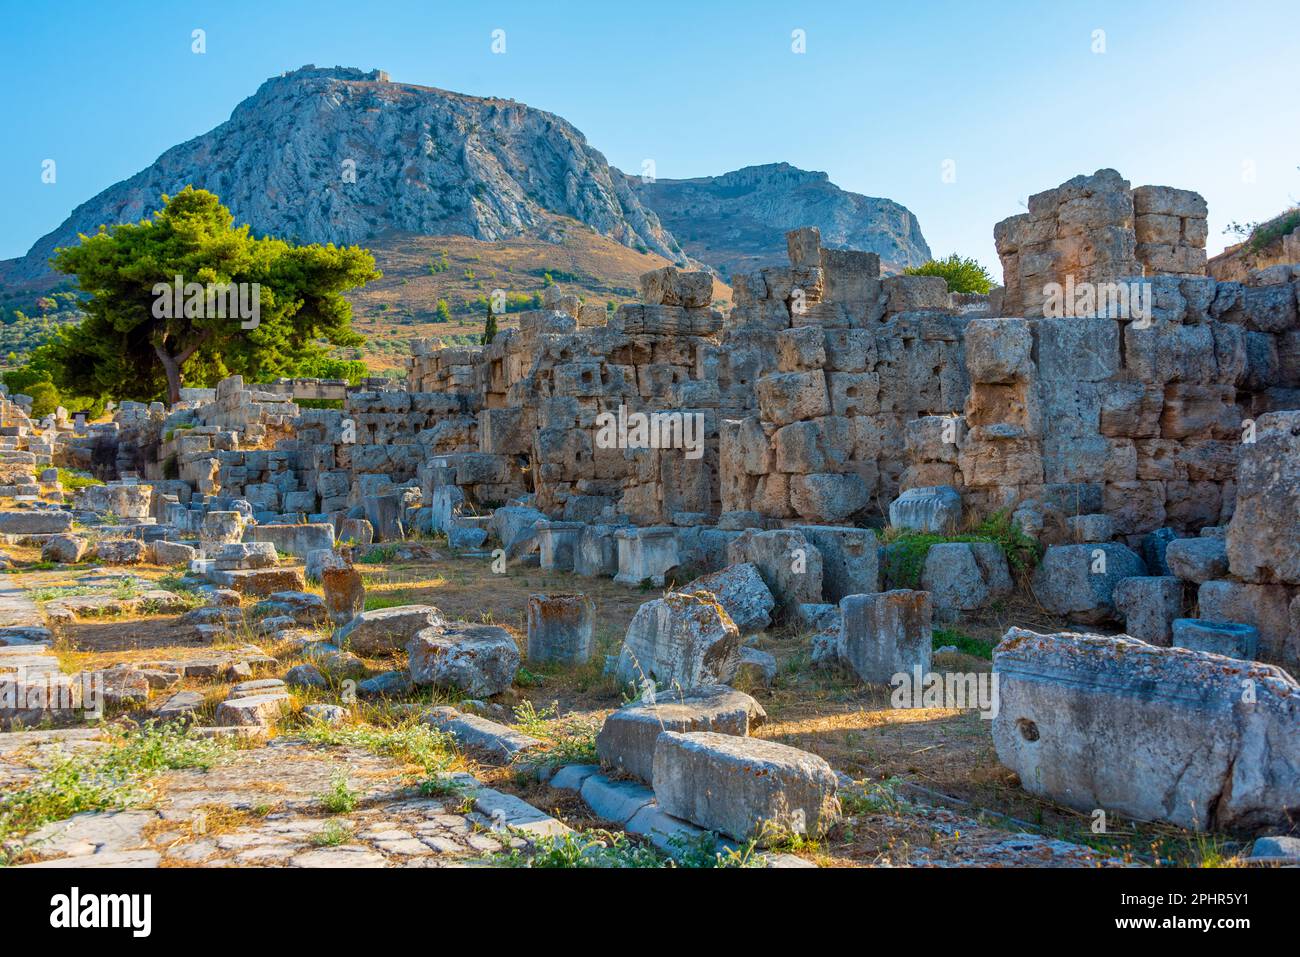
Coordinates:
962	275
963	643
585	849
1265	234
905	552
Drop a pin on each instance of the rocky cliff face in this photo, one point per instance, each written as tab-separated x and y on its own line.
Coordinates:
340	155
737	221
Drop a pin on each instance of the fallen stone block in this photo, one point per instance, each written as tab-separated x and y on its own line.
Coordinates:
965	576
64	549
615	800
163	552
121	551
386	631
388	684
515	527
180	706
682	641
557	542
1227	638
34	522
757	669
1078	581
259	581
1266	607
596	552
241	555
296	540
745	788
626	741
646	554
257	710
479	660
1154	734
560	628
790	565
741	591
1197	559
305	676
885	634
850	559
1149	606
935	510
345	594
476	733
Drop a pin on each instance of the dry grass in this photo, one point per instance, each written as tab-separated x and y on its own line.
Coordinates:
947	753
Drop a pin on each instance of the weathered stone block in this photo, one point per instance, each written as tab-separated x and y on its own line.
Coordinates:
1149	606
387	630
1228	638
790	565
560	628
646	554
1148	733
1197	559
850	559
886	633
965	576
479	660
557	542
1263	537
626	741
1078	581
744	787
935	510
1264	606
682	641
296	540
740	590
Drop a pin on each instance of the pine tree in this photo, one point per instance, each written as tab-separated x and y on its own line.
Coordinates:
489	327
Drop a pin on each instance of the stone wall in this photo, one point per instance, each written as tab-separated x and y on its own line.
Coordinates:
839	362
1096	229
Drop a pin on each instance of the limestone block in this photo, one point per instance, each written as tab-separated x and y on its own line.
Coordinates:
1232	639
682	641
1263	537
387	630
935	510
965	576
741	591
1078	581
626	741
789	564
744	787
1147	733
886	633
560	628
479	660
1197	559
1149	606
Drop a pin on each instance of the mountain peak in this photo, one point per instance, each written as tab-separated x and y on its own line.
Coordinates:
737	221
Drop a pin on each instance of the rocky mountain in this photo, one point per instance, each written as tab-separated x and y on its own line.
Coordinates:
737	221
340	155
344	156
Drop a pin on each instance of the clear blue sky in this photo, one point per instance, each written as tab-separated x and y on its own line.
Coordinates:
1185	94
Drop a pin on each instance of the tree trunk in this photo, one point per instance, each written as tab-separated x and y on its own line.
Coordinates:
172	365
173	370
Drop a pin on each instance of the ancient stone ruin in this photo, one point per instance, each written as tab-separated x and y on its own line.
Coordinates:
1132	421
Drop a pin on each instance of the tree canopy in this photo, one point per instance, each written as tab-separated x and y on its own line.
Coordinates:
138	341
962	275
